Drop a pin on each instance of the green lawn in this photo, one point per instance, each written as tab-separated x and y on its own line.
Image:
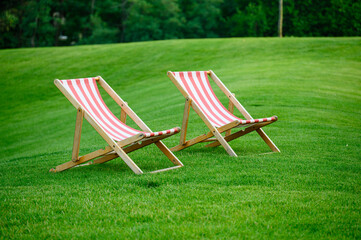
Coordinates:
311	190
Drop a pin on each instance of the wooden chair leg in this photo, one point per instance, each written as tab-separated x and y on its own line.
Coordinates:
76	145
214	131
126	159
187	106
77	134
231	110
224	143
168	153
267	140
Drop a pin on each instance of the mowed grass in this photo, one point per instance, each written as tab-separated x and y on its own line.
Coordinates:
310	190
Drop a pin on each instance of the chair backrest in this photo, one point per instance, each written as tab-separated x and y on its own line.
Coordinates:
86	93
197	85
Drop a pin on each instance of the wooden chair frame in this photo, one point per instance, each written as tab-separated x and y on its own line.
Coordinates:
214	131
115	149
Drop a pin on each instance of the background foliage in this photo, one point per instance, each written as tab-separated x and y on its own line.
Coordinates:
32	23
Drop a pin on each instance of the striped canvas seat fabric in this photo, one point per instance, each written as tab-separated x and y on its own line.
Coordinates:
197	85
200	90
86	92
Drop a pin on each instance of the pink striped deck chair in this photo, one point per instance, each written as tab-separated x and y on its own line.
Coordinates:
199	95
84	95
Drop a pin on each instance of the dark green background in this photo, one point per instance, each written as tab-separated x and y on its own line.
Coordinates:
32	23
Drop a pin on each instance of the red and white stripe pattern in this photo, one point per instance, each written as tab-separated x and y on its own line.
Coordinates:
169	131
270	119
86	92
199	89
197	85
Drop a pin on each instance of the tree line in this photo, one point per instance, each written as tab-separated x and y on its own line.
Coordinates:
34	23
